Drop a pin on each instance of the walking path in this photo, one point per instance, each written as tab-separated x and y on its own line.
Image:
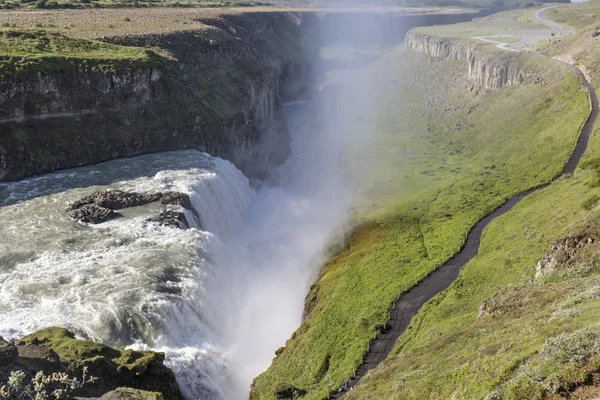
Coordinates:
409	303
527	37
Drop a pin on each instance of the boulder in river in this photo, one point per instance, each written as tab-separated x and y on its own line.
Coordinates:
116	199
93	214
99	206
174	219
176	199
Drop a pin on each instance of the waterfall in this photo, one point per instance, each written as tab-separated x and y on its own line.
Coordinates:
218	299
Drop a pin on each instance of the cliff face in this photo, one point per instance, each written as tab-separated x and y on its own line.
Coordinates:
218	91
486	69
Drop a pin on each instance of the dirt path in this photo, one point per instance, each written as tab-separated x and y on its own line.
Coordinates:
409	303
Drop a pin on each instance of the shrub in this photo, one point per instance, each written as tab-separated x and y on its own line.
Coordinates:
576	347
42	387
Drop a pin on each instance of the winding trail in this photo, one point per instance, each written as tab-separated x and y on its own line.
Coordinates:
527	37
410	302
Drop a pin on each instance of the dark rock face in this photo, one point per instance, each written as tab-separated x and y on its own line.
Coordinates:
116	199
122	374
174	219
8	352
176	199
93	214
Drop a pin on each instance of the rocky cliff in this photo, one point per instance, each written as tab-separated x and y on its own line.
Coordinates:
216	90
487	69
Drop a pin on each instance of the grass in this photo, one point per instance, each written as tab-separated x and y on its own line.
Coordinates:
505	39
515	20
577	16
427	174
45	52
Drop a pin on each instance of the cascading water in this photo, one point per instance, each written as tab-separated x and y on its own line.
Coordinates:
218	299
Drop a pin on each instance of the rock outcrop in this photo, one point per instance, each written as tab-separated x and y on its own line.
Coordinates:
116	199
563	253
120	373
486	69
173	219
99	207
93	214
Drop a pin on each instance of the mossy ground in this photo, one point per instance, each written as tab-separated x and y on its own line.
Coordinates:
437	161
81	352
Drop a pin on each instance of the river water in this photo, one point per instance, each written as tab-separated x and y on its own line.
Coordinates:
218	299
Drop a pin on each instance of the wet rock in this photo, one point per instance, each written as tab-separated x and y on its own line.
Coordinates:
287	391
174	219
93	214
8	352
176	199
116	199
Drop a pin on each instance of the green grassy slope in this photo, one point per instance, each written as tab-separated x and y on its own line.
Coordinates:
444	159
23	51
576	15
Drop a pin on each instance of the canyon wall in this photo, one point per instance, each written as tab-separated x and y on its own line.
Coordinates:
486	68
218	90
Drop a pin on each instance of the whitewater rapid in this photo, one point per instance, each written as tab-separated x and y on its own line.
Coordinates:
218	299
